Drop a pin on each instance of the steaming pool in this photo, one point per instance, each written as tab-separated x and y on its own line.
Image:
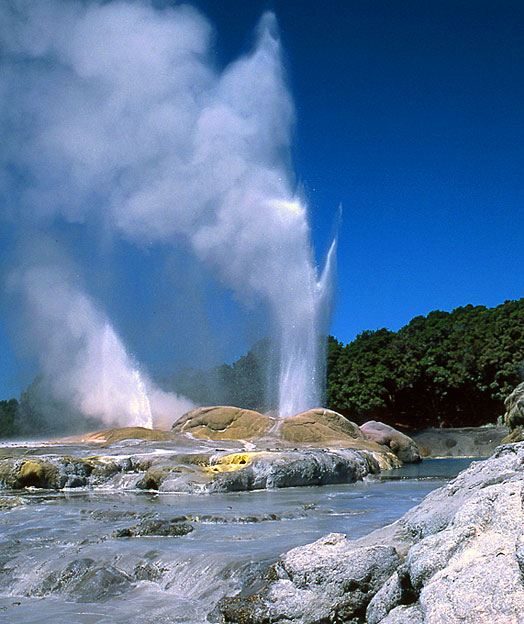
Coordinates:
61	561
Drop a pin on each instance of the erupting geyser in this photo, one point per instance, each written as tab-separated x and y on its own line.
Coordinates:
114	117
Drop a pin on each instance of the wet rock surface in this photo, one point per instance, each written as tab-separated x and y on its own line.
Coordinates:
317	447
172	527
218	471
117	554
84	581
329	580
456	557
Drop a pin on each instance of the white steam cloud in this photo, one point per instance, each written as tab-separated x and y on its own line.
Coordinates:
113	113
82	357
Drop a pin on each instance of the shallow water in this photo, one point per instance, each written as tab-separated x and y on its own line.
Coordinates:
61	562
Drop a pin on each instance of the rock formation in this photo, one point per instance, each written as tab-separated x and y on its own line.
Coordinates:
399	443
109	436
460	442
514	405
195	473
514	415
223	423
317	447
456	557
314	428
319	426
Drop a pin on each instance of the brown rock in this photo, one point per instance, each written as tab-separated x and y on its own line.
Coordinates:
516	435
38	474
319	426
223	423
399	443
108	436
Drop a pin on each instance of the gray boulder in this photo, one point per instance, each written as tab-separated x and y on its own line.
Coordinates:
331	580
296	468
459	442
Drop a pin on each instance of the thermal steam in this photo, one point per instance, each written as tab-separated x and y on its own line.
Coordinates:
81	356
115	116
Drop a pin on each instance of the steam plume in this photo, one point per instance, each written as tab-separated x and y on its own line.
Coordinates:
81	356
116	115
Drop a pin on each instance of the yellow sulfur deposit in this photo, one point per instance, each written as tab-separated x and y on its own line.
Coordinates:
387	461
235	461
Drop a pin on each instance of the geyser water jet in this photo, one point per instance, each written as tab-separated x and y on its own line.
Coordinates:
303	330
116	118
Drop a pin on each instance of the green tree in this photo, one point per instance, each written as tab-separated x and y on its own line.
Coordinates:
445	369
8	414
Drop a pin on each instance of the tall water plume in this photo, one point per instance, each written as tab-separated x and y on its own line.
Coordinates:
115	116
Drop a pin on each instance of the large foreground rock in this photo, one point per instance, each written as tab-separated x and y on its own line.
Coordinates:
458	557
223	422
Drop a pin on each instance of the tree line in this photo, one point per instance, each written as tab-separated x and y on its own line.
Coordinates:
446	369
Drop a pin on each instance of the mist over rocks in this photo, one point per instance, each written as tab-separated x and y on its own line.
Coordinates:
455	557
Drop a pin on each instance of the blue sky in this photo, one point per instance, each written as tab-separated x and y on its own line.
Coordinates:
410	115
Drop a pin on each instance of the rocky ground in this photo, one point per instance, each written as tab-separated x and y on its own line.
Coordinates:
458	557
213	449
459	442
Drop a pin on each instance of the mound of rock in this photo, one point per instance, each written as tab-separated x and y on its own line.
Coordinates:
109	436
319	427
223	423
400	444
456	557
317	447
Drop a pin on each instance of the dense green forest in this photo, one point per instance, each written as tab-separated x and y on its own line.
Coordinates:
445	369
448	369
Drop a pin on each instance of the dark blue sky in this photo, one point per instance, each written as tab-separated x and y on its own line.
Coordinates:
410	115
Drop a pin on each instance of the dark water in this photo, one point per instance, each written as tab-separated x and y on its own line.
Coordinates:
61	562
